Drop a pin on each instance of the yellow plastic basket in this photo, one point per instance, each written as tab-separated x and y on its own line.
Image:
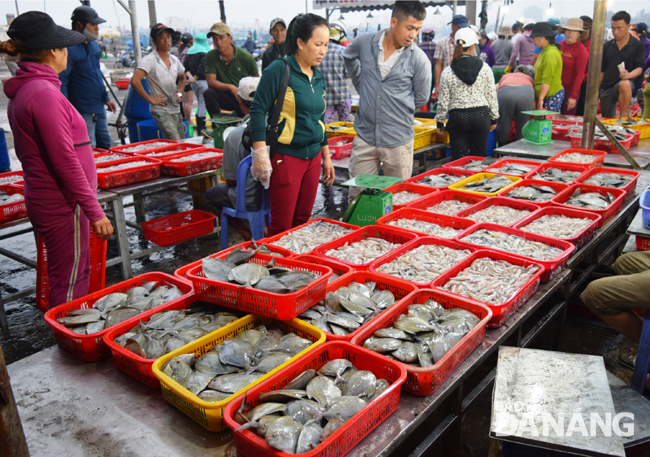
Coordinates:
643	128
478	177
344	132
424	135
210	414
424	121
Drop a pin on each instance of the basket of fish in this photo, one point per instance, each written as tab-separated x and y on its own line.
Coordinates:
539	193
440	178
340	129
602	143
425	222
12	204
588	158
202	377
429	334
555	172
365	245
353	302
501	281
605	201
513	167
170	150
551	253
405	193
80	325
572	225
340	146
618	178
447	202
471	163
423	260
127	171
635	123
100	151
135	347
322	405
487	184
560	132
12	178
499	210
172	229
260	283
338	269
304	238
109	157
191	162
143	146
563	119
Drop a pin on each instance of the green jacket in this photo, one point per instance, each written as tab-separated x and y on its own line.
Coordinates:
548	70
301	129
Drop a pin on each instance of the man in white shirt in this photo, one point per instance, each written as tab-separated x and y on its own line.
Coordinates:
445	47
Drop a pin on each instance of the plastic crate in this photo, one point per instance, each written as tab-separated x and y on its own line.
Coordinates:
100	151
579	239
606	213
597	162
551	267
499	201
501	163
348	131
477	177
338	152
269	240
408	187
11	174
210	415
91	348
560	132
439	171
390	234
115	157
121	149
427	240
606	145
563	122
561	166
644	203
643	129
424	381
191	167
349	434
97	254
439	197
642	243
168	230
556	186
502	311
116	178
461	162
251	300
442	220
424	136
168	151
13	211
629	187
337	268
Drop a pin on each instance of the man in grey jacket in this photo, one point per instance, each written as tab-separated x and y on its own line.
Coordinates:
392	76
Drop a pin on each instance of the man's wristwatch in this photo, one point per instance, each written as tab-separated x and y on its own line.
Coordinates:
180	94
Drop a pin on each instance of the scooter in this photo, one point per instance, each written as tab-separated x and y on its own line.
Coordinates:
125	60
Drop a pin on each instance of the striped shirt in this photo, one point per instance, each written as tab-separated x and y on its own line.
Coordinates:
445	51
333	69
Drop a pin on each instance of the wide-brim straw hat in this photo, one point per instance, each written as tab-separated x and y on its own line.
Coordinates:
574	24
506	30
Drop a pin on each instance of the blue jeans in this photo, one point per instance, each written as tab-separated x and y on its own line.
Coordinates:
98	132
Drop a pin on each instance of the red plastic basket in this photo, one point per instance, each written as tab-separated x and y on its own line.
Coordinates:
556	186
338	152
502	311
606	213
408	187
606	145
97	254
279	306
173	229
100	151
269	240
642	243
597	162
629	187
191	167
442	220
552	267
349	434
115	157
10	175
555	121
117	178
501	163
461	162
564	167
440	171
337	268
91	348
168	151
578	240
425	381
500	201
124	148
439	197
390	234
13	211
560	132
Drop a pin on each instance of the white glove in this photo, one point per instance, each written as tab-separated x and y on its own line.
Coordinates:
262	168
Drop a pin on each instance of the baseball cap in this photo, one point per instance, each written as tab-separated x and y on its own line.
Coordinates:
516	26
554	21
86	14
466	37
37	30
277	20
640	27
160	28
219	28
459	20
247	88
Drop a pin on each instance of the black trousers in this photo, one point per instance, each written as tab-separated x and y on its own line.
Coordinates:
469	129
217	100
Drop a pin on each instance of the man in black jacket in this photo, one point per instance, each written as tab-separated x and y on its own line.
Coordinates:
278	49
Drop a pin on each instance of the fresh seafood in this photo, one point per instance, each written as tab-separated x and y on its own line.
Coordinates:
426	227
449	207
618	131
110	158
10	179
590	200
424	335
513	243
114	308
557	225
197	156
167	152
532	193
424	263
557	175
311	236
477	165
630	121
362	251
565	117
402	198
490	281
342	142
142	147
514	169
441	180
495	214
124	166
5	198
615	180
488	185
336	128
576	157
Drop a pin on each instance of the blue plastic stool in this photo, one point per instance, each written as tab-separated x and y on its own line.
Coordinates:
642	364
257	218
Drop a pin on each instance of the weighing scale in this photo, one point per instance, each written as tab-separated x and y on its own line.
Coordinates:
372	203
538	130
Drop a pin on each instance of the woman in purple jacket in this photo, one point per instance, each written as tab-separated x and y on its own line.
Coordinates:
53	147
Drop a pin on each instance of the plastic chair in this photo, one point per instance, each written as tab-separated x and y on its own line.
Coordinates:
257	218
642	364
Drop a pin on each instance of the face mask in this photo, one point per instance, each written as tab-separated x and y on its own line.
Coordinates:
528	32
89	35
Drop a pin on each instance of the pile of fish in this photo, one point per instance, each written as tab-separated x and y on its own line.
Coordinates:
557	175
5	198
336	128
142	147
167	331
490	281
363	251
557	226
234	363
514	169
197	156
342	142
402	198
449	207
532	193
441	180
110	158
576	157
513	243
311	236
426	227
620	133
348	308
488	185
477	165
502	215
615	180
164	153
424	263
10	179
114	308
564	117
590	200
124	166
630	121
424	335
312	407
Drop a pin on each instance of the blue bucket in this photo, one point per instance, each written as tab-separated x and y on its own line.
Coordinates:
148	130
5	164
644	203
491	144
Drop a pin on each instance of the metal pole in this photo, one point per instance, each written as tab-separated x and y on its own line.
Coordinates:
593	73
222	10
496	24
135	33
152	13
470	11
455	5
12	437
17	12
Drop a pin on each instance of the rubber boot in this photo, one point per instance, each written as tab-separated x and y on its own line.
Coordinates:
200	125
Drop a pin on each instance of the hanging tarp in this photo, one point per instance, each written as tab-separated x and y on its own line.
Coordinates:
361	5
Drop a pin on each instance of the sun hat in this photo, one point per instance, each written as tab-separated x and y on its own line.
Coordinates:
506	30
574	24
200	45
37	30
219	29
543	29
466	37
554	21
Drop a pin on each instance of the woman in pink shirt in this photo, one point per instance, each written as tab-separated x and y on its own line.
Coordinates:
574	63
515	94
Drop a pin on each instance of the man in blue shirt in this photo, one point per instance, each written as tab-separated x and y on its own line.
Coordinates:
82	81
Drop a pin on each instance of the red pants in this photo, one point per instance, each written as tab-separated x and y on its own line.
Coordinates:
294	183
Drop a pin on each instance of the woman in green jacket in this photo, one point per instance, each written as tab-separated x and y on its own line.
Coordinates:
293	173
549	93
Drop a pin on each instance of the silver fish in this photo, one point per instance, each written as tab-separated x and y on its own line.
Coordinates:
425	227
576	157
615	180
557	226
142	147
490	184
532	193
311	236
424	263
123	166
360	252
441	180
557	175
497	214
513	243
449	207
197	156
402	198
